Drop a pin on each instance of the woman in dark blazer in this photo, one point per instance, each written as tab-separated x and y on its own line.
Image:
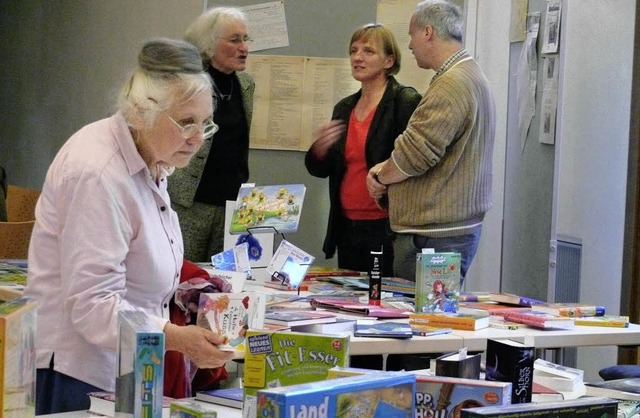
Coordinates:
361	134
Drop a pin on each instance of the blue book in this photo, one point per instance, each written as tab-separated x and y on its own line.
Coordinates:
229	397
369	328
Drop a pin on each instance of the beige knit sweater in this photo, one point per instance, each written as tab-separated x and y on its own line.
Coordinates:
447	151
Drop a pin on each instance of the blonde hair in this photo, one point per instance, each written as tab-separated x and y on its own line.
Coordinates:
375	32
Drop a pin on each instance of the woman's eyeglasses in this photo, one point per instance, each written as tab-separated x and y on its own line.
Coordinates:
208	128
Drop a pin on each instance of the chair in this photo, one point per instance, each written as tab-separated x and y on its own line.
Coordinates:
14	239
15	234
21	203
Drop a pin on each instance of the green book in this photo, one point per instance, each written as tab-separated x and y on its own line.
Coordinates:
437	282
275	358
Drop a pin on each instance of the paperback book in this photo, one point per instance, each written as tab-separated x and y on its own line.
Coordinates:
231	315
511	361
437	282
374	328
383	394
140	366
359	308
292	318
462	321
288	266
540	319
275	359
104	403
589	407
511	299
571	309
185	408
615	321
228	396
542	393
628	409
627	389
491	308
275	208
17	358
339	326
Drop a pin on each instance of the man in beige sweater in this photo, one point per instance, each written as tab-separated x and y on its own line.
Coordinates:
438	178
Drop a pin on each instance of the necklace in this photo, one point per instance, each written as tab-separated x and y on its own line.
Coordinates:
223	97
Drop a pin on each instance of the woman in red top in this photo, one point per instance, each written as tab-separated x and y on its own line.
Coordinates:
362	131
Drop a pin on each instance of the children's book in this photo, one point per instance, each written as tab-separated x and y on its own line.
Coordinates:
589	407
511	361
383	394
437	282
17	358
289	265
292	318
275	359
511	299
614	321
228	396
462	321
374	328
571	309
140	366
274	208
359	308
231	315
233	259
441	396
539	319
185	408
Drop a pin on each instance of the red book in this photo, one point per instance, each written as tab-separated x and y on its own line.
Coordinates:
539	319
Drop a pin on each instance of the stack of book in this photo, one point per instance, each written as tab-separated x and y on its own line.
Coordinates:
462	321
556	376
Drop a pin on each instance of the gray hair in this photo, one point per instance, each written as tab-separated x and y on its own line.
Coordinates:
169	73
443	16
208	26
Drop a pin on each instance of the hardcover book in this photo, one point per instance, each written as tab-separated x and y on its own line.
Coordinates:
491	308
228	396
17	358
140	366
275	208
459	364
614	321
383	394
233	259
439	396
231	315
627	389
511	299
437	282
542	393
373	328
292	318
571	309
511	361
468	322
581	408
275	359
539	319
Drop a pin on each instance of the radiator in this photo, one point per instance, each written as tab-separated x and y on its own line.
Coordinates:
564	283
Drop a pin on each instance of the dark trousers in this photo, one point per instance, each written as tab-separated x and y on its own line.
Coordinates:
57	392
357	240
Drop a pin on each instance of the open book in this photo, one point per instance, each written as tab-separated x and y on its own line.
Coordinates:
274	208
